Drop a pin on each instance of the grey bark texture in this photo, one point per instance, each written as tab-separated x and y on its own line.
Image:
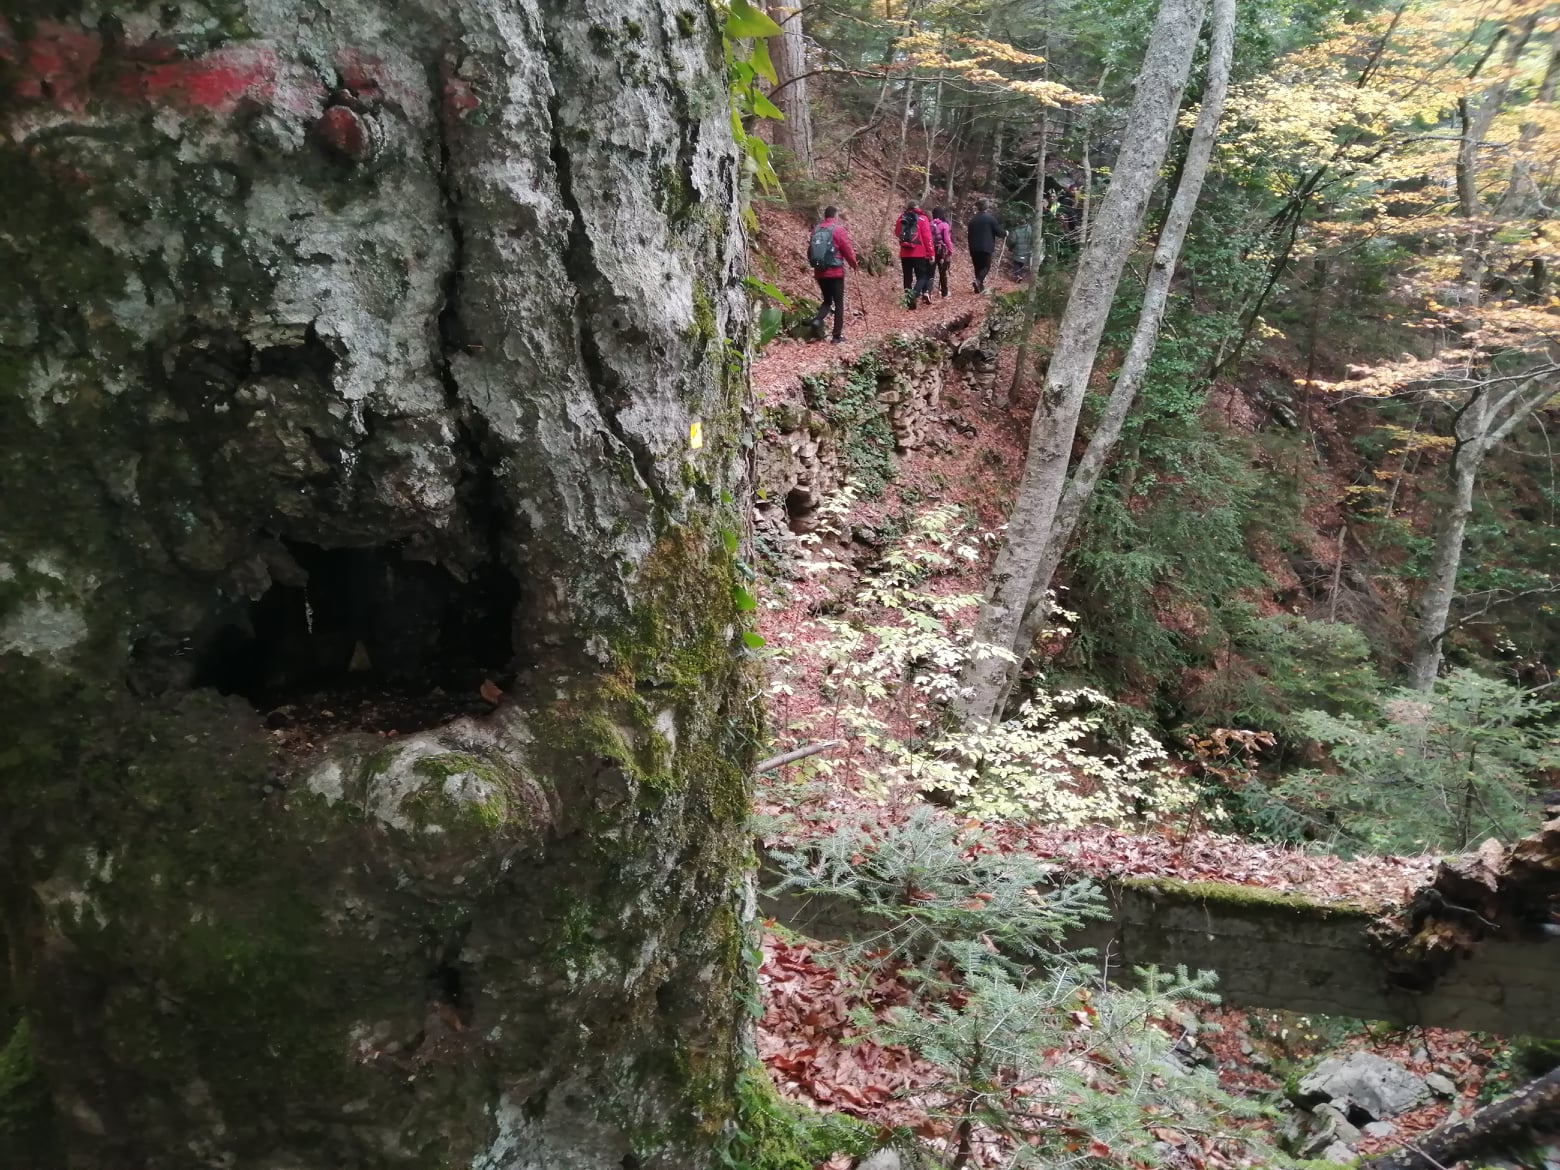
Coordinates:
357	346
1478	117
1485	419
1523	196
788	53
1150	121
1026	330
1156	293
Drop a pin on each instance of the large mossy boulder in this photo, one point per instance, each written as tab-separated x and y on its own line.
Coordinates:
374	732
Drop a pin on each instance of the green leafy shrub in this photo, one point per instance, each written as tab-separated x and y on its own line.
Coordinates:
1281	665
1038	1052
1065	759
1442	770
24	1101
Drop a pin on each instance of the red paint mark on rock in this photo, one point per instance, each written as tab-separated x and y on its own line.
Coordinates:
459	98
215	82
56	65
361	72
344	133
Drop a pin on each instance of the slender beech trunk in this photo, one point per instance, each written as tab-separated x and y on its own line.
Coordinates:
1477	119
931	138
1036	259
994	177
1522	194
1488	415
789	54
1129	380
886	220
953	168
888	56
1150	122
1086	196
1482	424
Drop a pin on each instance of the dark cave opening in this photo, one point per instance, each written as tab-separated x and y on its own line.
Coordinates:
365	638
800	504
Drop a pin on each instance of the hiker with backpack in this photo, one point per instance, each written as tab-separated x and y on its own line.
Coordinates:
984	232
828	251
942	247
915	254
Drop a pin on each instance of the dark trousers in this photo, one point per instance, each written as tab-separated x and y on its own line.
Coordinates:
923	279
982	263
942	274
907	270
832	290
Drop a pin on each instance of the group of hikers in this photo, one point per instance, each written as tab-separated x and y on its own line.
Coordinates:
926	251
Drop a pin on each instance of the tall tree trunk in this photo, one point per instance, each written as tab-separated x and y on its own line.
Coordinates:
1477	118
1485	421
789	55
1026	331
994	179
1086	196
1522	195
895	200
1488	415
931	129
1156	293
375	778
953	170
1150	121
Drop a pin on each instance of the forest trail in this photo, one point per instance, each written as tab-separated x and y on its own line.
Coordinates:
874	305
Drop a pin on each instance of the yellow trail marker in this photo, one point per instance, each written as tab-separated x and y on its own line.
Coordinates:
695	435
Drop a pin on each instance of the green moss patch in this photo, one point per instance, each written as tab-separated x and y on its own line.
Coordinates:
1236	897
770	1133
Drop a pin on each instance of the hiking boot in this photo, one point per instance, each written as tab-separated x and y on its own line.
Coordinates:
926	298
978	287
836	341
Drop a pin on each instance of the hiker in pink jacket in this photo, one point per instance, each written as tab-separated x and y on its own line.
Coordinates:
942	247
914	232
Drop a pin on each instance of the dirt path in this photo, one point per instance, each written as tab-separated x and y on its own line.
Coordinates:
874	308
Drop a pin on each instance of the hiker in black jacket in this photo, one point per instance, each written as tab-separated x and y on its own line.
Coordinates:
984	232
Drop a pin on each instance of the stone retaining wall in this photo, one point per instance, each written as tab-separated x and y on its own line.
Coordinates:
1280	951
859	417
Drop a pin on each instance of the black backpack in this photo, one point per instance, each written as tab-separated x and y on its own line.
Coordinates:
909	228
821	252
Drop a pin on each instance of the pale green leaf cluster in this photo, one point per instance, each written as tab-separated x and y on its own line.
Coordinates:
894	665
747	63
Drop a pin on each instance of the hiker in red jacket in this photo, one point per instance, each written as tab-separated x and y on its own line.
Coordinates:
942	247
828	252
914	232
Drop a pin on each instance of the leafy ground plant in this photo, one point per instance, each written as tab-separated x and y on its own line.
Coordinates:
890	670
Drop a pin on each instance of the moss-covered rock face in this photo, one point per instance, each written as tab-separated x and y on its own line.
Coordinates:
376	731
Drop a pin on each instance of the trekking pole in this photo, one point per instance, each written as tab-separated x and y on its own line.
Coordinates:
996	265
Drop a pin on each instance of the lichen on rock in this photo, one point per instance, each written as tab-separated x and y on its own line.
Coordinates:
379	726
